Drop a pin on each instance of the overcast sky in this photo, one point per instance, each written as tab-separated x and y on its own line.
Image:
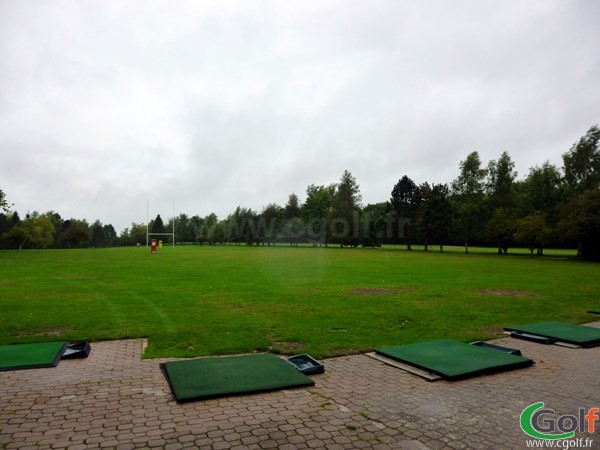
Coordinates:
105	105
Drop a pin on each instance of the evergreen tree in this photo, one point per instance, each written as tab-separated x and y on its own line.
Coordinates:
346	207
404	202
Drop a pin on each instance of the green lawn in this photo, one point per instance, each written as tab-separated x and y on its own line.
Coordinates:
193	301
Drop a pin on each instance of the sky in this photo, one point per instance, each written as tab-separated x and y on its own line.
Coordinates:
120	110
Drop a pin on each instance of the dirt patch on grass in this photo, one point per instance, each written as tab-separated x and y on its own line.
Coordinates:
371	291
508	293
492	330
286	347
237	308
72	276
49	332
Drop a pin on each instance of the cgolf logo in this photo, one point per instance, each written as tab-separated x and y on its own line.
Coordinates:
541	423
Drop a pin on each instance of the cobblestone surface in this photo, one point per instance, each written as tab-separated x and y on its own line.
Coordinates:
114	399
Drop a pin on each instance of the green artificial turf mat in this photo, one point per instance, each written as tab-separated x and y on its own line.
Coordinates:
564	332
594	311
453	359
230	375
31	356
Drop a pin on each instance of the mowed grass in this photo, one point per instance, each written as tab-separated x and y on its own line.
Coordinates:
191	301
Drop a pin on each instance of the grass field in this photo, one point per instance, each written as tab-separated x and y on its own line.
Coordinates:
191	301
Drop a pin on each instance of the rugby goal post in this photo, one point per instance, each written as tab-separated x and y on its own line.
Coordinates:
148	233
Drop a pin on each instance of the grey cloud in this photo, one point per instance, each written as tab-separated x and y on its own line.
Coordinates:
105	105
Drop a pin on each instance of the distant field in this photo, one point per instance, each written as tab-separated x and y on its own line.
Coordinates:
191	300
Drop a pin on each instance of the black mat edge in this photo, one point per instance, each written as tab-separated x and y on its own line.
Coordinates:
498	348
80	350
317	369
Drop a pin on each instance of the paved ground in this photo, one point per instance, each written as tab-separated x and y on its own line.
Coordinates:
113	399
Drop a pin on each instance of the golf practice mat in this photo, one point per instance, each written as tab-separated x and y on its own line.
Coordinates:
594	311
31	356
564	332
453	359
231	375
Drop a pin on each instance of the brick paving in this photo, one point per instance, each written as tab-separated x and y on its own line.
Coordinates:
114	399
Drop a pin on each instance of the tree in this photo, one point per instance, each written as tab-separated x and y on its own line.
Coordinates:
5	226
110	235
442	213
346	211
15	219
580	222
196	224
317	211
468	198
157	225
541	191
500	188
4	206
471	179
77	234
184	228
433	214
404	202
423	213
35	231
271	223
582	162
533	232
501	229
293	231
58	223
375	223
16	237
207	228
102	235
500	181
134	235
7	223
221	233
241	226
292	207
97	234
293	228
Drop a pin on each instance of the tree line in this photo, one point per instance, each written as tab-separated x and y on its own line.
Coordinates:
485	205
